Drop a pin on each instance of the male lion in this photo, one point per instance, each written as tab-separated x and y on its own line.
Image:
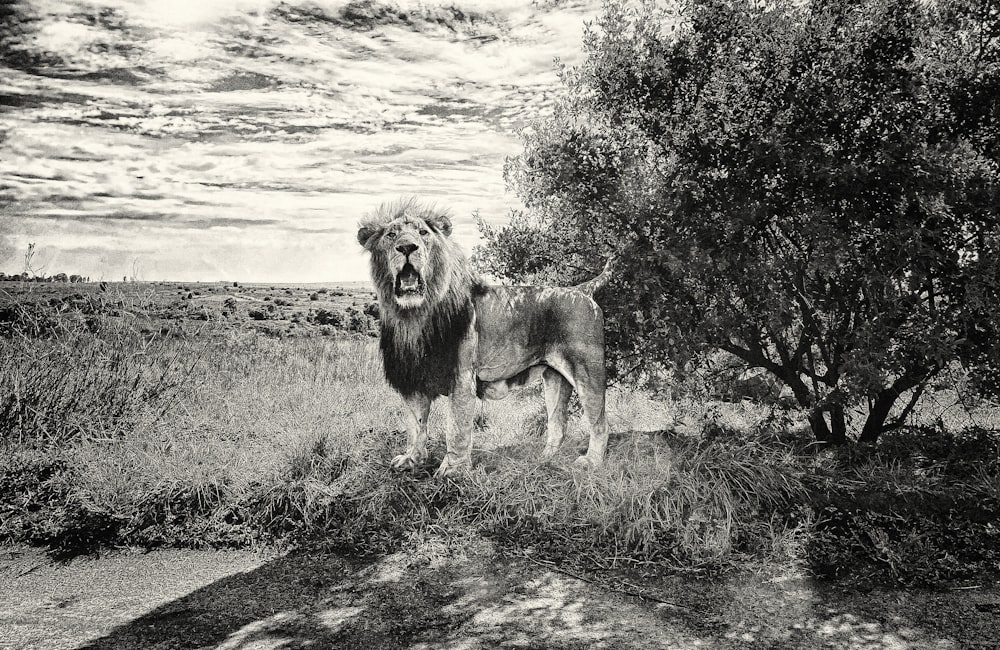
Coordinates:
444	332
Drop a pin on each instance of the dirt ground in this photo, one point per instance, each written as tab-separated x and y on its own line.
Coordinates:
434	596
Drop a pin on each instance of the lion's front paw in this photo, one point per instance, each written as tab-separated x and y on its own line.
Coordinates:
549	451
587	463
405	462
453	467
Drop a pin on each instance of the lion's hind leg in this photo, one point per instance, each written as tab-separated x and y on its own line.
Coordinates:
587	376
592	400
557	391
416	411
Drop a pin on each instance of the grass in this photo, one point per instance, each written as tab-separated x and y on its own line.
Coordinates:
114	433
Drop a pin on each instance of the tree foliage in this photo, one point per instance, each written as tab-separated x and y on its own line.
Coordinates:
811	187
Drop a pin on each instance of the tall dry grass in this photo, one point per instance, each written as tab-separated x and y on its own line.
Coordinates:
85	371
237	439
112	435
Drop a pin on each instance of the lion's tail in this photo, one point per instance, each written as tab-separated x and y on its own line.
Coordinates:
590	287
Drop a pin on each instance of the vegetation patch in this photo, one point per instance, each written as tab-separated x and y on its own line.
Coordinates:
221	437
922	508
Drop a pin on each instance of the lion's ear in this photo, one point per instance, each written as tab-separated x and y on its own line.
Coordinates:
367	235
440	223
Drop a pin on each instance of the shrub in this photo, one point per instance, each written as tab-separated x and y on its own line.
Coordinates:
266	313
331	317
923	509
30	319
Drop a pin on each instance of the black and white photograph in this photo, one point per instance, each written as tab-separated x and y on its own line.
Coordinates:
477	324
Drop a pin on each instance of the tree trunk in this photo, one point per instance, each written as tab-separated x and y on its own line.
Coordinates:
819	426
877	415
834	433
884	401
838	425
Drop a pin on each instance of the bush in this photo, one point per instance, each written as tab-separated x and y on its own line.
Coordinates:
924	509
29	319
39	506
331	317
268	312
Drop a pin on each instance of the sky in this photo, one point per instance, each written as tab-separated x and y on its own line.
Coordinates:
225	140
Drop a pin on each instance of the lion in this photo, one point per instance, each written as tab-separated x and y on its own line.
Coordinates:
446	333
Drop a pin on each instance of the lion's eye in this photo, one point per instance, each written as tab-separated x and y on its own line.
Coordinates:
390	235
423	232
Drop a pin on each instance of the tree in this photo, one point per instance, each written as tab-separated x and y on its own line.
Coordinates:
811	187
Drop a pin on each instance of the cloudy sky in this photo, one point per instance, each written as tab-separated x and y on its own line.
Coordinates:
243	140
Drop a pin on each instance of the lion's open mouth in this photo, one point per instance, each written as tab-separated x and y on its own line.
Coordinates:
409	282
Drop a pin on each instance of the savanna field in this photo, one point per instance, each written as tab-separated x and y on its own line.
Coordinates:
796	190
150	415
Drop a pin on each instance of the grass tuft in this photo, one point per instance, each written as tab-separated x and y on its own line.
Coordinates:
675	501
86	385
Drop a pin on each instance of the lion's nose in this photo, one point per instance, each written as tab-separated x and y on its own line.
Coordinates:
406	249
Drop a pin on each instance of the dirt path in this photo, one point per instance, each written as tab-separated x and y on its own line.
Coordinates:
436	597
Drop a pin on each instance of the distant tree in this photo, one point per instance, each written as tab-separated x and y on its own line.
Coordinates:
811	187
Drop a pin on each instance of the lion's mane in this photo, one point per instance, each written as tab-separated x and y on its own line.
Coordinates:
420	344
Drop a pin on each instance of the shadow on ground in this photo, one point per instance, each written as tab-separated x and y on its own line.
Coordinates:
453	597
421	600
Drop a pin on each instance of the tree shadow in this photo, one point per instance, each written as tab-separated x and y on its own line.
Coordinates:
458	594
421	599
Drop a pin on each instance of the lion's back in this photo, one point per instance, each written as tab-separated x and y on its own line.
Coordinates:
536	316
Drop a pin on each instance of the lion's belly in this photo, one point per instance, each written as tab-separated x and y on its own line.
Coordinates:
492	388
522	330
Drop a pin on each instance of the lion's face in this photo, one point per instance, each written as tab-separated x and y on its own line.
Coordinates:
405	245
404	251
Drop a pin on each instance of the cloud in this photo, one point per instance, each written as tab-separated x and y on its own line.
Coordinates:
7	248
247	138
